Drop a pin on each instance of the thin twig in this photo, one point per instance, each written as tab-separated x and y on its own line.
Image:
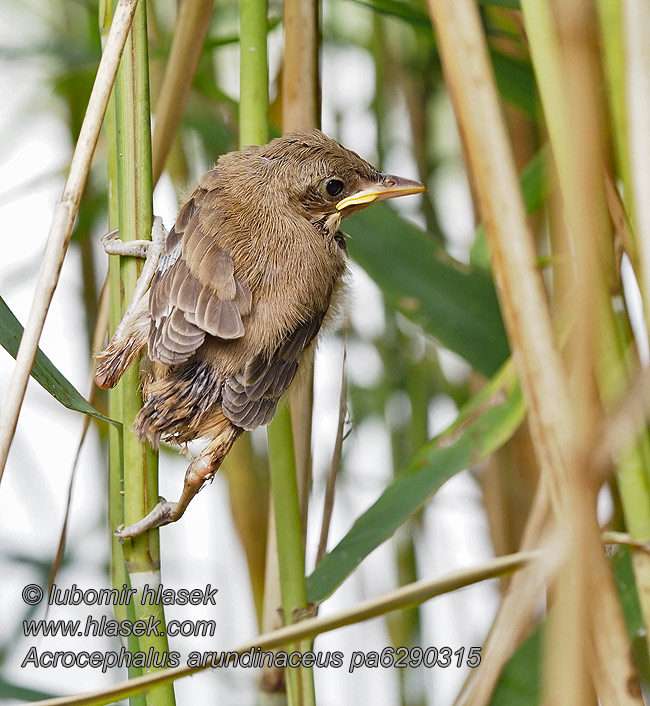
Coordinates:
98	337
63	219
334	466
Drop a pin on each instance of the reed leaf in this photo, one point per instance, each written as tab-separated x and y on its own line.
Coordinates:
43	370
482	426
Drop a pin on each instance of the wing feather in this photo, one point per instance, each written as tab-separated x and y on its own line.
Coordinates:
194	291
250	397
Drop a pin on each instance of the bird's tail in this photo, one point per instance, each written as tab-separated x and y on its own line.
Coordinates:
122	350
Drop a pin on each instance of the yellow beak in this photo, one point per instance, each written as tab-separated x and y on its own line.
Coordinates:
386	188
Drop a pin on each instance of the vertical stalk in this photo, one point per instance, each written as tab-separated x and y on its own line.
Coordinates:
301	111
253	129
291	558
253	126
140	462
254	78
300	79
615	352
119	575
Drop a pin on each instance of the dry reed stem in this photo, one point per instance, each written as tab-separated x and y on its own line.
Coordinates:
189	34
63	219
301	111
568	652
562	455
300	76
593	610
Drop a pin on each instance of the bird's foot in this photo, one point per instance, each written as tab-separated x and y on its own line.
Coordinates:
163	514
133	248
201	469
151	251
137	248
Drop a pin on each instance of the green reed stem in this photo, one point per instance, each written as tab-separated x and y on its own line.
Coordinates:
131	159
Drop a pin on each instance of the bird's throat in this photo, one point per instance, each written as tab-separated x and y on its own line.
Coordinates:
328	225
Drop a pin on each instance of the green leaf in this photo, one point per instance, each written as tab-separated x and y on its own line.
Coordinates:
483	425
623	570
516	82
11	691
453	302
395	8
512	4
627	593
44	371
413	14
519	683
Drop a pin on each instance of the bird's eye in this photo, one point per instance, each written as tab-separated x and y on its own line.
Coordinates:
334	187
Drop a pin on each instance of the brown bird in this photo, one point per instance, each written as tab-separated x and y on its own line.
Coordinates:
239	290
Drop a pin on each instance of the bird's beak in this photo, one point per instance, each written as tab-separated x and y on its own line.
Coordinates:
386	187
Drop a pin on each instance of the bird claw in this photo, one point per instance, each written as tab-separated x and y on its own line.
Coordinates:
163	514
135	248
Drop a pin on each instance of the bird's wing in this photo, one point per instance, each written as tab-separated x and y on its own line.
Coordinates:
194	291
249	398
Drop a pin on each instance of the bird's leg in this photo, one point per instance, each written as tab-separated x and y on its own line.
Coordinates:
151	251
198	472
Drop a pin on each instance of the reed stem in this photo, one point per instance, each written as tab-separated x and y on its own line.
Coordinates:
140	462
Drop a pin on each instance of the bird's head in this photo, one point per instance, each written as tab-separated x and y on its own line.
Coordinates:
312	174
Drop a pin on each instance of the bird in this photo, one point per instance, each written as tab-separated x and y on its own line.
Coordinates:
232	299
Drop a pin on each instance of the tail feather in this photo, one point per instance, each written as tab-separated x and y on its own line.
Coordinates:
115	359
122	351
182	405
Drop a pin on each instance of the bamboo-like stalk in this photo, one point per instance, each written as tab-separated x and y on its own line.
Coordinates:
118	572
522	296
291	558
290	436
300	74
140	462
573	674
253	129
254	73
403	597
63	219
